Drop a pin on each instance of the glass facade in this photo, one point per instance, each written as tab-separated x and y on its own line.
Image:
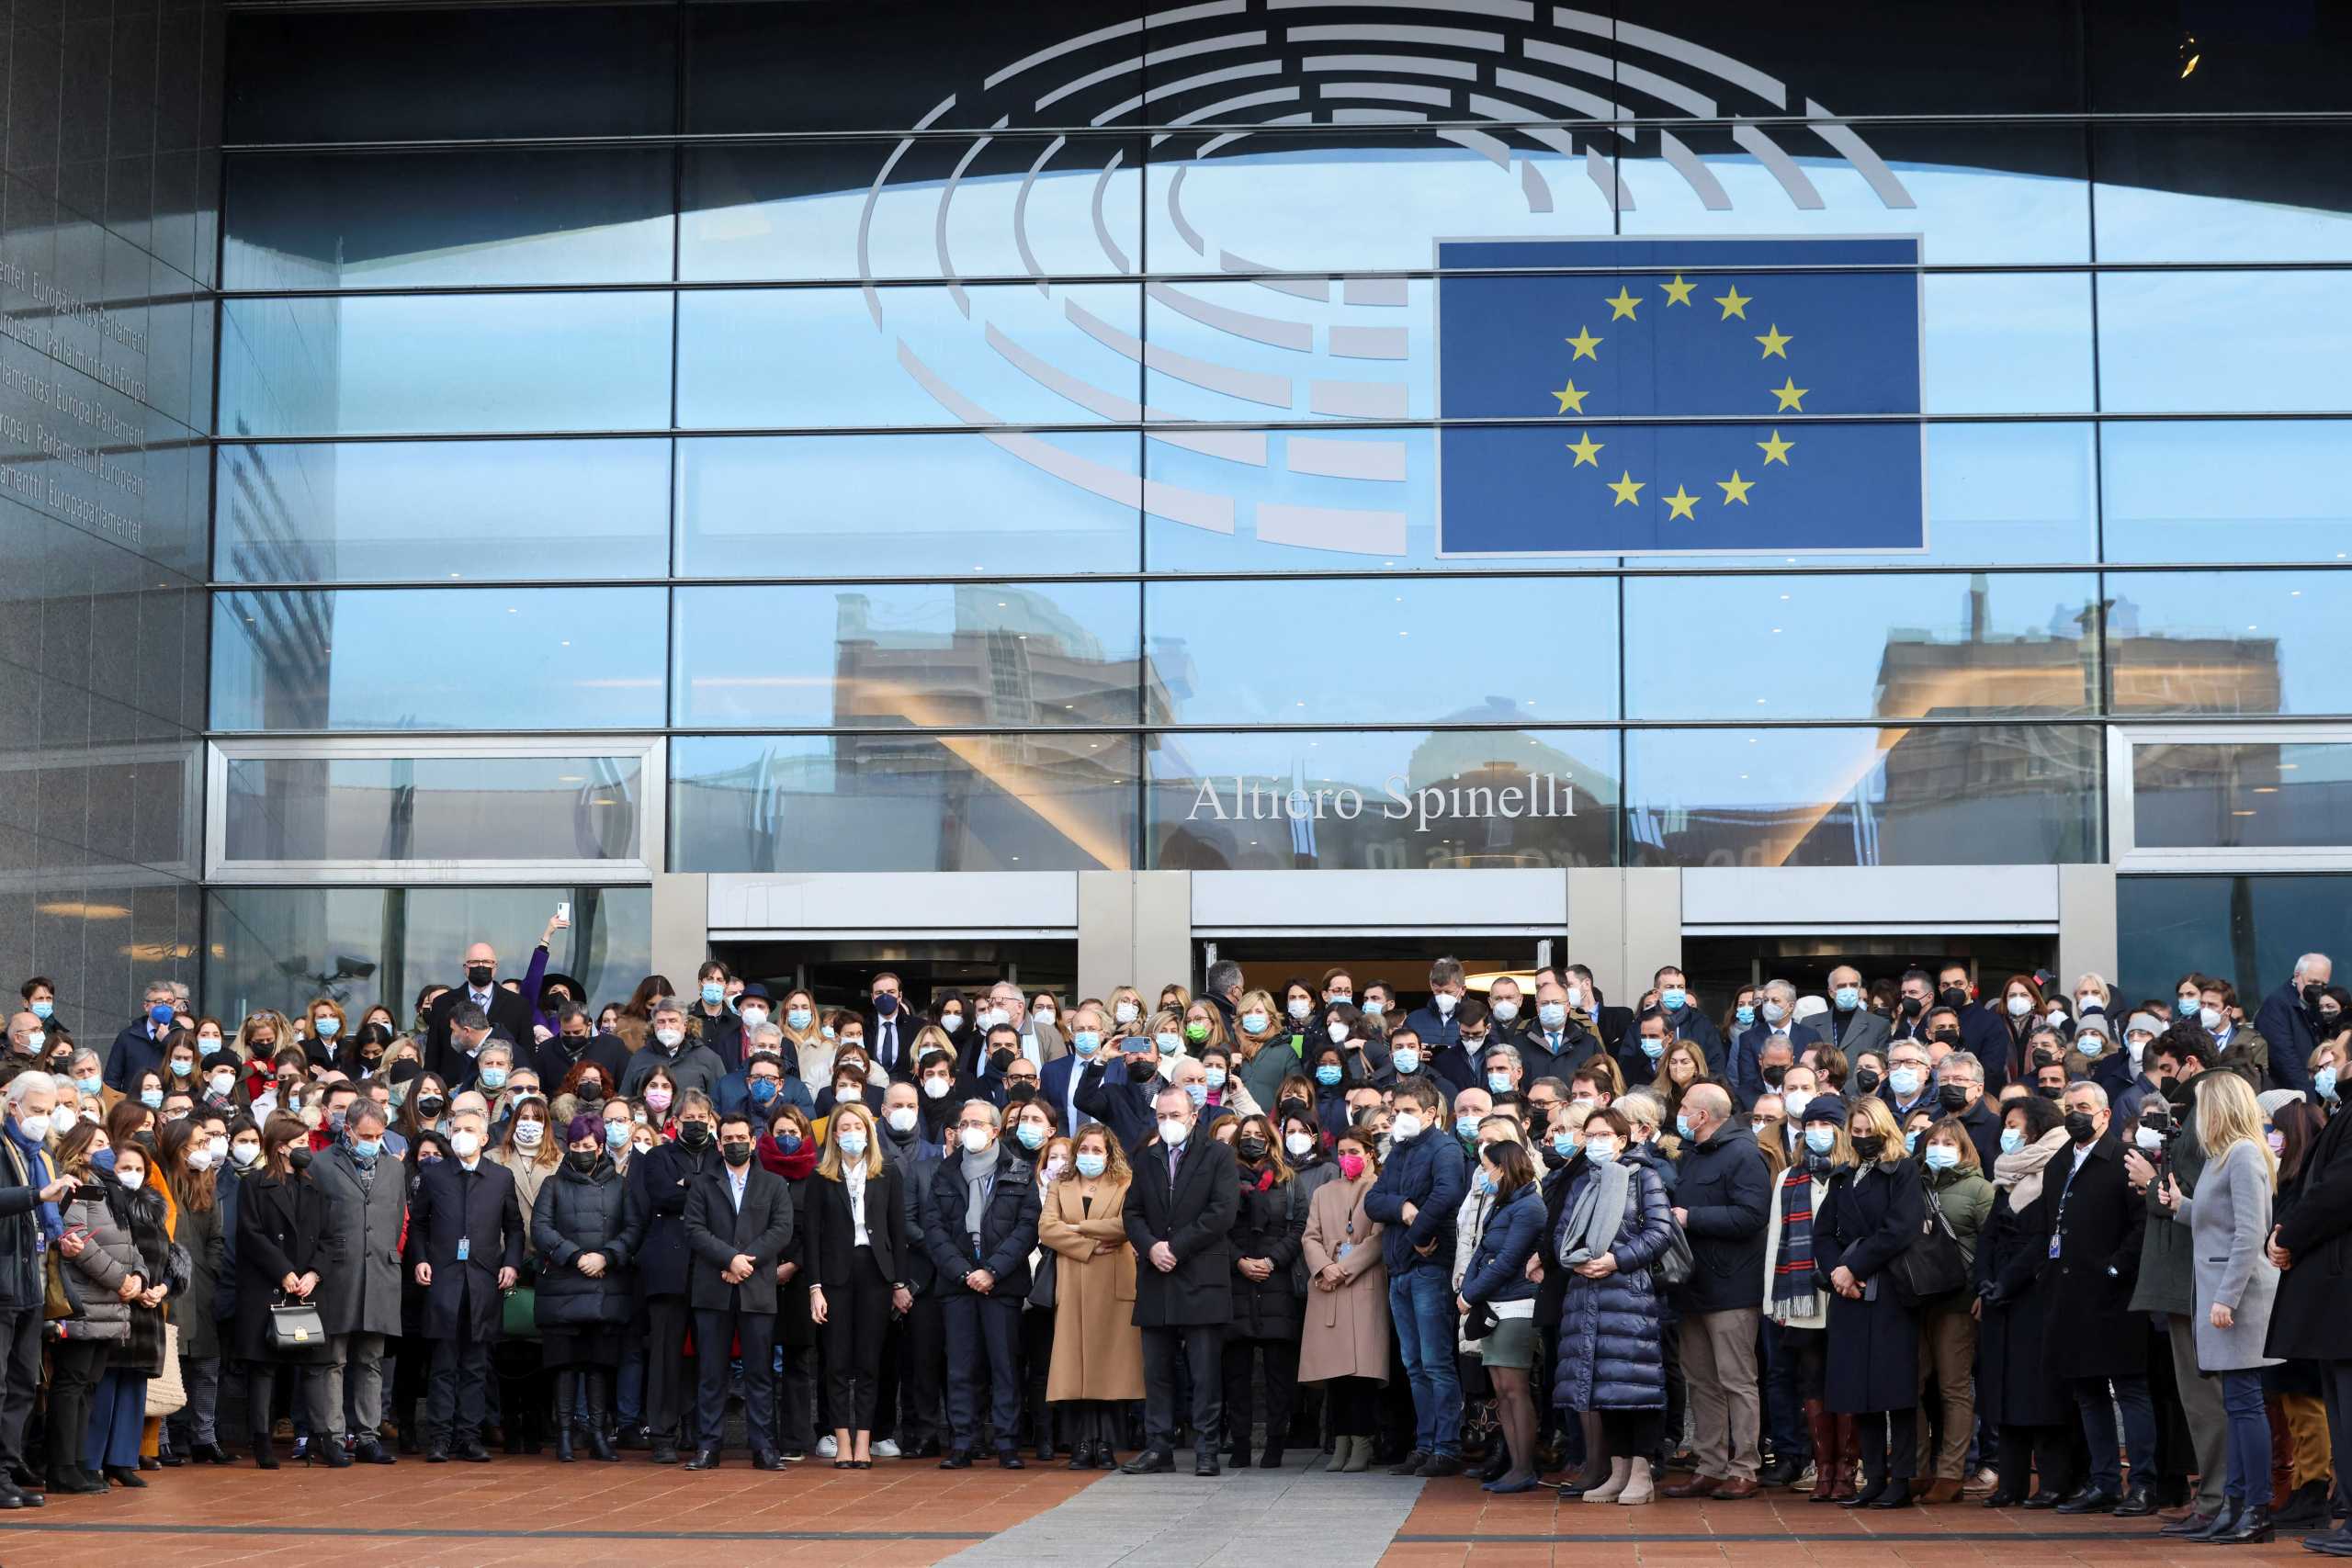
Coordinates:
1024	444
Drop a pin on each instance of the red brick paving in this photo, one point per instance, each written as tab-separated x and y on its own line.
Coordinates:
360	1514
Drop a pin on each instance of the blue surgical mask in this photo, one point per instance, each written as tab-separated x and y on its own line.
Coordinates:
1910	1143
44	1010
1255	1022
1903	1081
1774	1012
1600	1153
2323	1082
367	1148
1821	1138
1745	1014
493	1078
1199	1093
1407	1060
796	1019
1942	1156
90	1085
1552	1015
1092	1165
1564	1144
1673	999
1848	999
713	993
1328	1074
1373	1007
1086	1042
2089	1042
1214	1076
1031	1136
1498	1083
1682	1125
854	1142
2012	1140
327	1025
1465	1128
1170	1042
152	1098
617	1135
1653	1049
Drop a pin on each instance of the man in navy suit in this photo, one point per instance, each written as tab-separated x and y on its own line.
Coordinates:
465	1246
1775	1019
1057	1083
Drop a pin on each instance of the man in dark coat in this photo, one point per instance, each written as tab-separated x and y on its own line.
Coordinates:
576	1040
1116	1091
2285	1018
365	1190
465	1244
738	1228
891	1027
980	1225
660	1182
509	1013
1180	1207
140	1047
1723	1200
2313	1250
31	1191
2095	1224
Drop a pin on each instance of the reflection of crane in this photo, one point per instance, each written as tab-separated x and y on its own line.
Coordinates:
329	985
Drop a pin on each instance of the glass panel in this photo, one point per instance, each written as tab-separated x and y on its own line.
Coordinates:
412	808
1976	195
2226	490
944	369
1384	652
2223	342
2209	58
1373	800
899	802
2252	642
1999	344
897	657
2241	795
278	947
331	511
483	215
336	75
1863	647
2211	191
2249	929
1012	205
838	505
439	659
1959	794
385	364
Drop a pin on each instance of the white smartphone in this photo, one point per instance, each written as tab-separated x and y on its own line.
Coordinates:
563	913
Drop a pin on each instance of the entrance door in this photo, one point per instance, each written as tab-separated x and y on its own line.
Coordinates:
1718	966
1402	962
841	974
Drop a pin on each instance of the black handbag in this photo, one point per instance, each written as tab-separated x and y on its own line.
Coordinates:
1043	1279
297	1332
1932	1266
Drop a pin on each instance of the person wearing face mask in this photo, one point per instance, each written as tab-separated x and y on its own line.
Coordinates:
1795	1304
1958	1193
465	1247
114	1245
2097	1346
980	1225
139	1048
1268	1288
1849	1024
659	1179
891	1026
1344	1343
1722	1198
1181	1209
2291	1019
183	1168
1434	1024
577	1042
2021	1011
1117	1089
1775	1019
2031	1414
1097	1361
690	1064
1090	1038
856	1251
711	1021
1866	1222
364	1198
738	1232
586	1288
1422	1185
506	1012
282	1257
1457	1065
787	1146
2311	1245
1910	1083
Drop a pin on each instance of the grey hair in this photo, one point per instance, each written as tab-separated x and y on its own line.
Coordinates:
1780	988
2097	1093
28	1083
1224	975
1445	971
2308	959
996	1118
1964	1063
1504	1049
768	1034
162	987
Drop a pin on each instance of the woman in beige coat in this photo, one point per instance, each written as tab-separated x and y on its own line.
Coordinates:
1098	1350
1346	1339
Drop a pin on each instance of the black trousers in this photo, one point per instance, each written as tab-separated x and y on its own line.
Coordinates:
75	1368
2026	1449
983	1341
858	1313
1203	1347
454	1392
669	1375
2336	1392
1878	1460
19	1380
923	1373
716	1334
1281	1358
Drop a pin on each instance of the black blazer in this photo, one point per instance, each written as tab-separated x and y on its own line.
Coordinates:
716	1232
281	1226
2099	1224
831	1246
510	1015
1194	1216
479	1207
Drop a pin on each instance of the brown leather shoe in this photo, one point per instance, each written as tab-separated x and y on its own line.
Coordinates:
1734	1489
1941	1490
1693	1486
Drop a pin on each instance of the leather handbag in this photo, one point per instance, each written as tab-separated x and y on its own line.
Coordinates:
296	1330
518	1313
1045	1275
61	1301
1932	1266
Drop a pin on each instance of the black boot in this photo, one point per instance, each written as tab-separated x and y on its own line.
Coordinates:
567	1399
264	1455
2252	1527
600	1414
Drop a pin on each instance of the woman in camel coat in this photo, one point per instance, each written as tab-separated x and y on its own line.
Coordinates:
1346	1337
1098	1350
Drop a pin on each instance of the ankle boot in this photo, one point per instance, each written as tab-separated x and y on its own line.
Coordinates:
1847	1454
1620	1472
1823	1428
1638	1488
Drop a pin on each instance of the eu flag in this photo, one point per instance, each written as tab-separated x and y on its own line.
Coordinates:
1778	348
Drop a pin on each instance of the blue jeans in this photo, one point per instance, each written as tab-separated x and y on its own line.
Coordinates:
1422	1306
2097	1412
2249	1440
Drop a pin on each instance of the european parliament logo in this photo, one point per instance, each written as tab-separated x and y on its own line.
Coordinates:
1701	329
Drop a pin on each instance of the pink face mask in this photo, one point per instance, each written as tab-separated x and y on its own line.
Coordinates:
657	1098
1352	1165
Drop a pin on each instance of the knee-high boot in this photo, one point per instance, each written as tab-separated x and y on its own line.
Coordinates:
567	1394
598	1384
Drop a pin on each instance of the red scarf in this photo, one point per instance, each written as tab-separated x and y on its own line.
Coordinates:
795	1166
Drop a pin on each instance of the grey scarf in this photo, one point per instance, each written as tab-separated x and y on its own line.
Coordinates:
979	1182
1595	1215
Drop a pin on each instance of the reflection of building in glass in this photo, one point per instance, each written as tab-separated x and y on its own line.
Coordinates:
1013	657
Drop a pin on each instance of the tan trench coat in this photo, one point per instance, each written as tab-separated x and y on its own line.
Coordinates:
1098	1350
1346	1330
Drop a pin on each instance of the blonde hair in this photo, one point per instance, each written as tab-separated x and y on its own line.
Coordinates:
829	1165
1873	1109
2227	1113
1276	1018
930	1038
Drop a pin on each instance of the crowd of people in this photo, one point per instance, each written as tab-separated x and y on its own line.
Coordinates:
1897	1244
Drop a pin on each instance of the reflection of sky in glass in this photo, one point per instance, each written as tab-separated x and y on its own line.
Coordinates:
2248	490
2223	342
2252	626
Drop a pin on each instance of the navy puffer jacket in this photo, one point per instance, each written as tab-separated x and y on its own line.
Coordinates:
1498	1266
1612	1330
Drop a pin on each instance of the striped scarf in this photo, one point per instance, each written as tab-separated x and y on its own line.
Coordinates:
1792	1277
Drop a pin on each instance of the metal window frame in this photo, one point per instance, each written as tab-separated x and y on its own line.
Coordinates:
649	752
2122	812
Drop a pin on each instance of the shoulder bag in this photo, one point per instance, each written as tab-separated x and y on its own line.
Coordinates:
1932	1265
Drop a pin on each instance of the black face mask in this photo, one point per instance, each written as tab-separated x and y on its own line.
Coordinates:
1020	1093
737	1154
582	1160
1253	1149
1141	1068
429	1105
2311	994
480	975
1866	1079
1954	997
2049	1091
1869	1145
1773	1075
1000	1060
695	1134
1913	1006
1953	1097
2080	1126
1946	1037
298	1158
1297	1106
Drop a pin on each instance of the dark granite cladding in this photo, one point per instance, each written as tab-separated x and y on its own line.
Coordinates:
110	223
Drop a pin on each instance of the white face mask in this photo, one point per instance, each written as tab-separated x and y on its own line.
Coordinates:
1404	1127
1173	1131
465	1143
200	1156
1300	1007
1506	1011
952	1022
754	1018
216	1149
35	1127
1125	1012
670	1038
1446	1002
528	1134
131	1180
2210	1017
61	1121
1299	1144
2020	1006
974	1139
245	1156
935	1089
1338	1031
903	1118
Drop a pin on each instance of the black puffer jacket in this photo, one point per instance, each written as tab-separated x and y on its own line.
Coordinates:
1270	1224
577	1213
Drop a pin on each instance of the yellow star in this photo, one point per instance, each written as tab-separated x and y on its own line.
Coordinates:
1776	342
1584	342
1571	401
1622	306
1777	450
1679	503
1627	488
1734	303
1735	488
1678	292
1584	446
1791	395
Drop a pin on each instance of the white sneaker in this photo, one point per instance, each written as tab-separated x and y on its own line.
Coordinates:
886	1448
828	1448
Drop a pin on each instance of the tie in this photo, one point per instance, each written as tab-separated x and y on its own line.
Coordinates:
1555	1038
1175	1155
